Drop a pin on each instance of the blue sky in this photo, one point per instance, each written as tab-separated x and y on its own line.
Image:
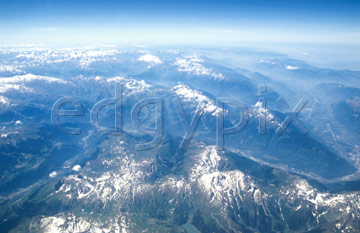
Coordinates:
231	22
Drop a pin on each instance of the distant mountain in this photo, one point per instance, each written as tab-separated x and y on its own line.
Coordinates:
277	174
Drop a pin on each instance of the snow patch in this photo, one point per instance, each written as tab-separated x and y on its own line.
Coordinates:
53	174
260	110
150	59
4	100
131	86
10	69
64	223
191	95
30	78
291	68
193	65
76	168
16	87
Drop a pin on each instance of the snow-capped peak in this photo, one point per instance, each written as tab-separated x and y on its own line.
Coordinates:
131	86
191	95
193	65
29	78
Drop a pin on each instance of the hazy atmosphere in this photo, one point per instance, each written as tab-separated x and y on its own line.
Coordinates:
179	116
